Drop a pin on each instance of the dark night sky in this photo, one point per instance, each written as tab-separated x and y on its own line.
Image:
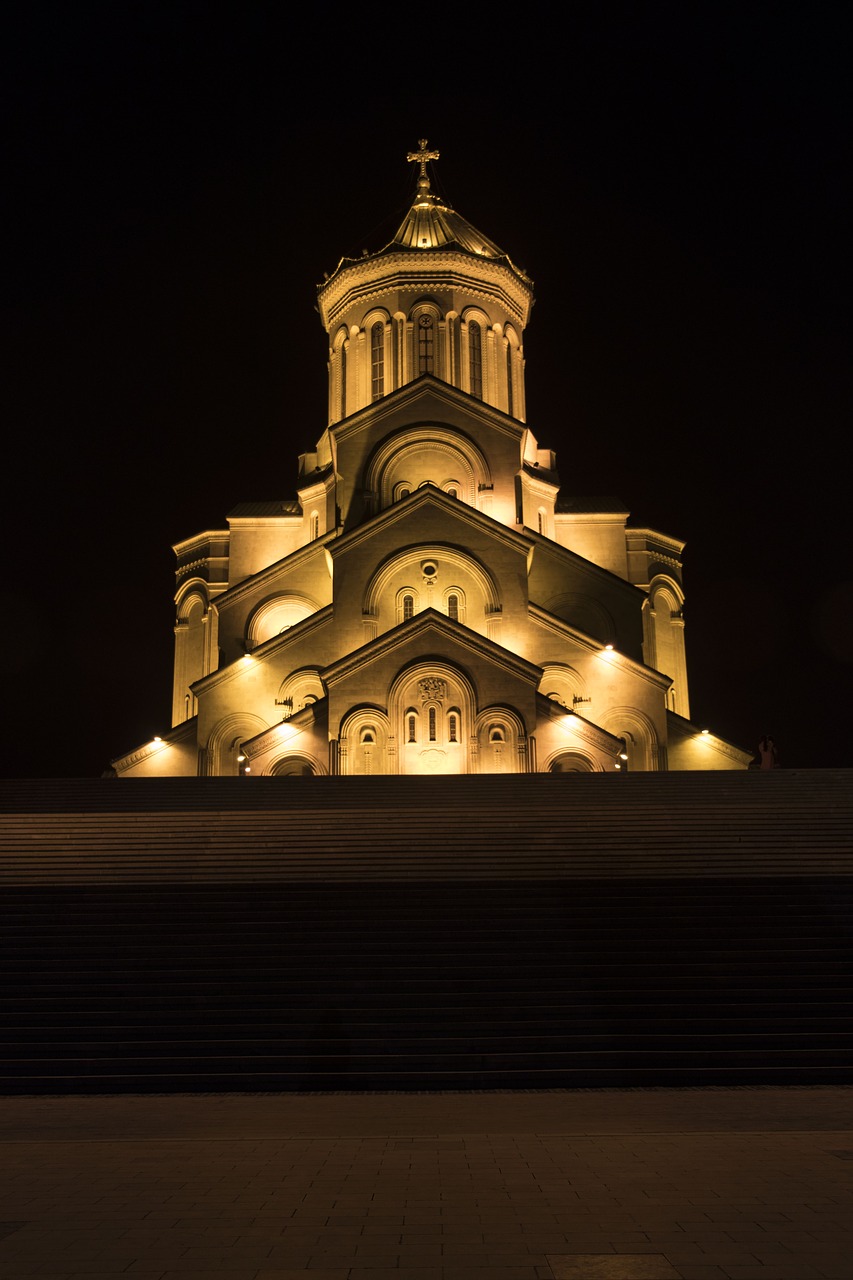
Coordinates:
674	179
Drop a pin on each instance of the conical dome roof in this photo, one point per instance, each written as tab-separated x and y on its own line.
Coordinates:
431	223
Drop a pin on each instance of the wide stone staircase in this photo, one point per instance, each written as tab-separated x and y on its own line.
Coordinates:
516	932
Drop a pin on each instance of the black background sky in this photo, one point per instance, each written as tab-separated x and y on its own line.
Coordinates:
178	178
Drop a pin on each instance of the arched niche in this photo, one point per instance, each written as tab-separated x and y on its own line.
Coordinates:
667	604
501	741
225	741
638	733
295	764
442	701
192	600
584	613
363	743
195	642
299	690
278	614
562	684
405	575
572	762
427	455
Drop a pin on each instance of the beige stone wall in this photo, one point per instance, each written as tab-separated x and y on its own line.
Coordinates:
599	539
259	542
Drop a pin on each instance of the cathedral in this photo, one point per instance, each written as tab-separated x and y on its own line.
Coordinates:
430	601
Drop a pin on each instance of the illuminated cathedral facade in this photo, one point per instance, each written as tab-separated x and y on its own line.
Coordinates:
429	602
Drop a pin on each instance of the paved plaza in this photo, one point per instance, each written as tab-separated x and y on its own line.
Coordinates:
660	1184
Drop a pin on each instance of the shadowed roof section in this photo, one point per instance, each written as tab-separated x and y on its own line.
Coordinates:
288	507
592	505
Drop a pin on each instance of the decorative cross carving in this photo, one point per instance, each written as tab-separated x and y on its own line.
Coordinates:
432	689
421	157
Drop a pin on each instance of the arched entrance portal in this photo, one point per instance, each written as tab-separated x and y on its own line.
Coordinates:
571	762
433	712
293	767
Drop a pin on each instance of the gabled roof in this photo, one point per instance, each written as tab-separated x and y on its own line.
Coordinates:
444	629
429	495
434	395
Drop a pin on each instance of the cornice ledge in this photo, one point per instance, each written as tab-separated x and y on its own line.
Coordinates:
389	270
422	387
429	493
264	651
200	539
295	560
645	536
713	741
182	732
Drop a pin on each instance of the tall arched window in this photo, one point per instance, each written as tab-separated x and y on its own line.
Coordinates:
408	607
426	330
432	724
377	360
509	397
412	728
453	607
475	359
343	388
453	727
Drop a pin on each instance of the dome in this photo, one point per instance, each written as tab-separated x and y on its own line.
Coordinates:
440	298
431	223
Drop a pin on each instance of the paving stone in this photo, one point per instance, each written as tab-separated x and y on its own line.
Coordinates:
737	1196
633	1266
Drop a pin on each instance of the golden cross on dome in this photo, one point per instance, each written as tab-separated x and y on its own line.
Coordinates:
421	157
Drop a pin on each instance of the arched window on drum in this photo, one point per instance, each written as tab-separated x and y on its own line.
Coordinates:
475	358
377	361
426	344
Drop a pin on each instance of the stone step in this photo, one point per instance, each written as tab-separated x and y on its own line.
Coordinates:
528	826
466	933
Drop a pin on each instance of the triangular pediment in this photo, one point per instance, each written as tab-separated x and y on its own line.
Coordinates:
456	520
432	634
426	399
